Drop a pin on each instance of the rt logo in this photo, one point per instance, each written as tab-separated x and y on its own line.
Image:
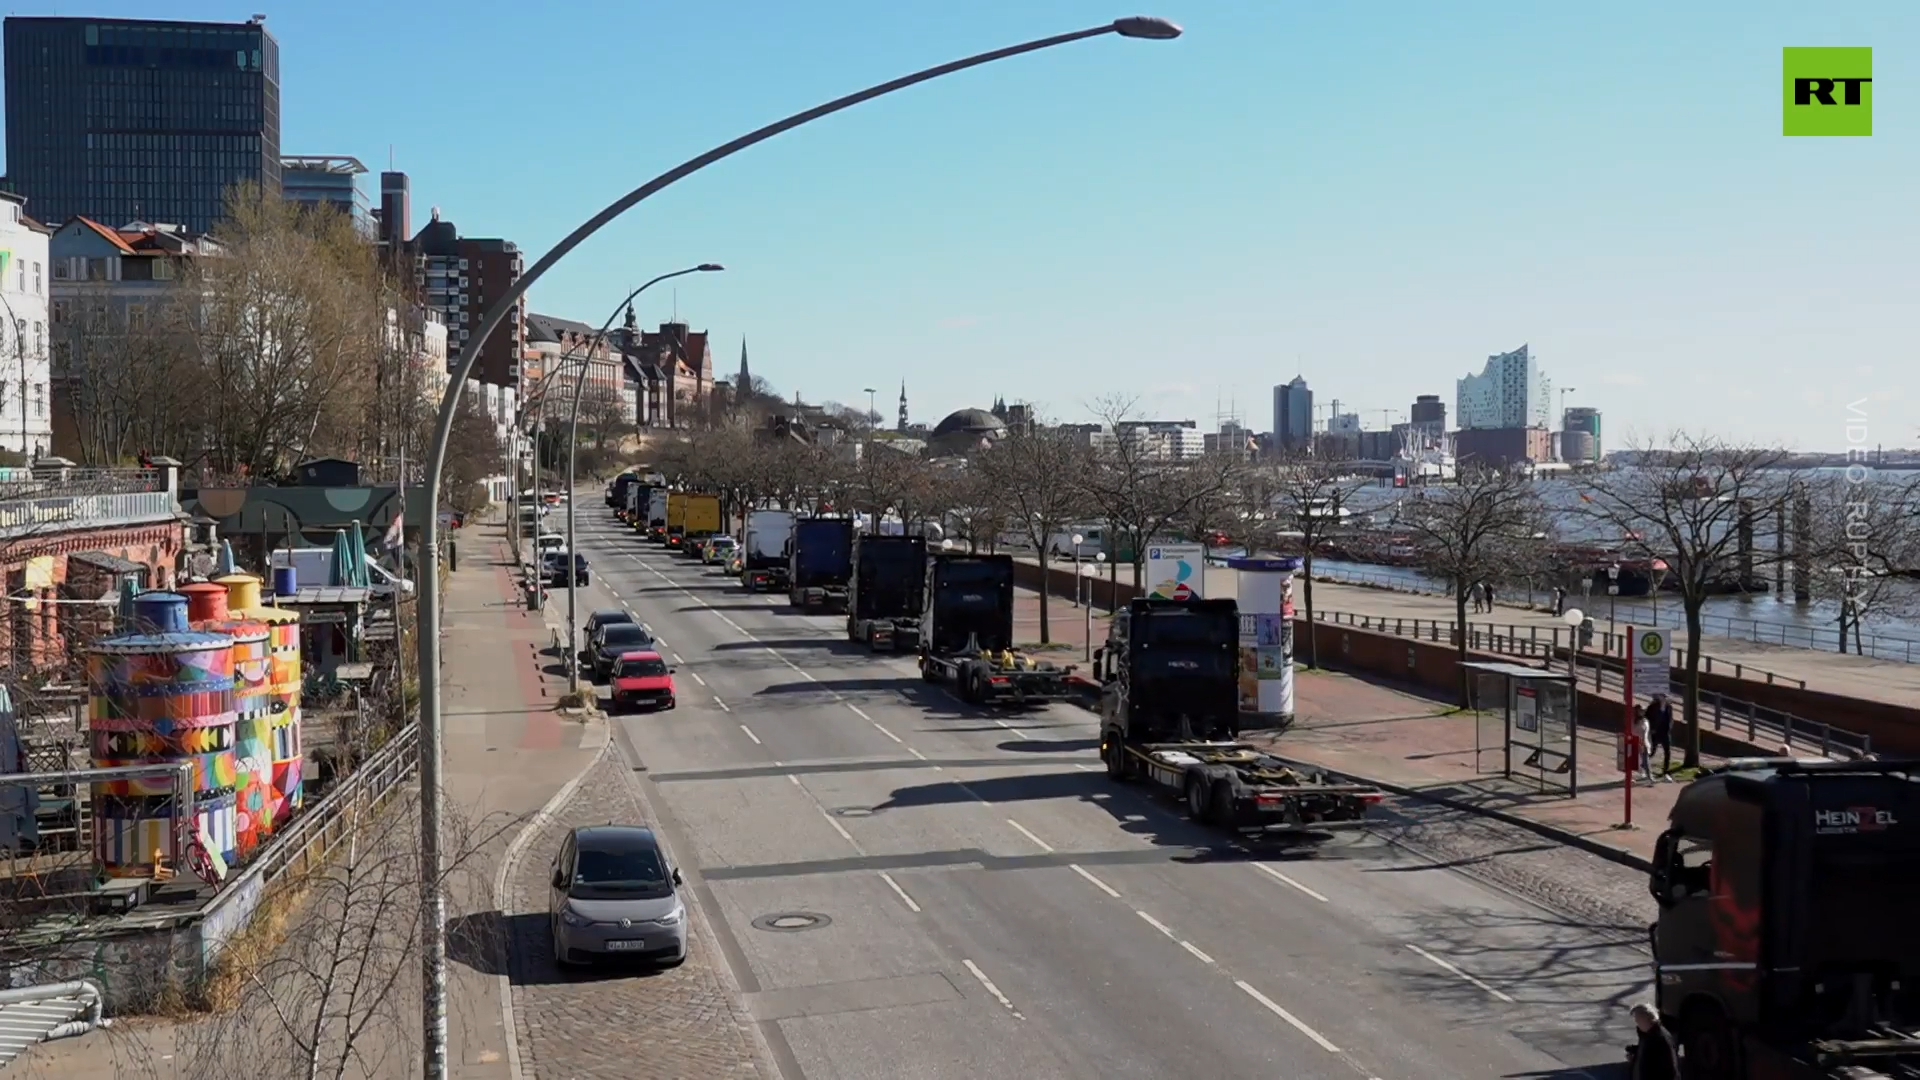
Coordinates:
1827	91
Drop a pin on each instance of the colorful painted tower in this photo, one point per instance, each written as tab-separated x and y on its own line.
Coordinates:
161	694
283	690
252	707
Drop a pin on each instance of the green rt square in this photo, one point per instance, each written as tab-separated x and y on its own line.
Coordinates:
1826	91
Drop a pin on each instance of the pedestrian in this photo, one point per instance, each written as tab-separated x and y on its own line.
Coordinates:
1655	1054
1479	596
1640	744
1559	600
1660	729
1487	587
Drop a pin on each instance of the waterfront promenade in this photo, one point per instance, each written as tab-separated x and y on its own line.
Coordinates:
1888	681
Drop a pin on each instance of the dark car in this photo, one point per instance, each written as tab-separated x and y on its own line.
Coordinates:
604	616
555	567
614	892
610	643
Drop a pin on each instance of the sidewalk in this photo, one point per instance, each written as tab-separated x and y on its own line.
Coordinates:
1866	678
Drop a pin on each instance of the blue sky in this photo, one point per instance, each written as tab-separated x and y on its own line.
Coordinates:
1376	196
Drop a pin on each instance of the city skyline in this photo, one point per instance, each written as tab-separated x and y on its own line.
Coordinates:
1653	254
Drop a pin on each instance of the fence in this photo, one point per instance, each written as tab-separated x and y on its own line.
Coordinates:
1759	631
1760	724
309	841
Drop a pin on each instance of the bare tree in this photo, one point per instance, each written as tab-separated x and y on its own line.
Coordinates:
977	508
1695	506
1866	548
604	414
1472	531
474	452
1041	478
126	378
1294	505
1142	491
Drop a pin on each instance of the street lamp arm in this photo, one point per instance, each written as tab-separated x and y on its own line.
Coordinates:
433	898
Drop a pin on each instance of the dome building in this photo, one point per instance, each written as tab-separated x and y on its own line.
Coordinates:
965	431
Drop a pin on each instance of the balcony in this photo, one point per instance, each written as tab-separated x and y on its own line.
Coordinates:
45	514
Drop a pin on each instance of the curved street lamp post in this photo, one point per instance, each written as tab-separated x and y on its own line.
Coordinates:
573	458
433	897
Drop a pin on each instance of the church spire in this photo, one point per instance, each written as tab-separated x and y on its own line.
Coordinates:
903	407
745	380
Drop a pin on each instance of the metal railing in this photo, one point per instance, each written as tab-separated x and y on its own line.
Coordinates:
27	483
59	513
1602	671
1758	631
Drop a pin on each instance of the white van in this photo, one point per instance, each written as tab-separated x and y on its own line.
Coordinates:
1060	545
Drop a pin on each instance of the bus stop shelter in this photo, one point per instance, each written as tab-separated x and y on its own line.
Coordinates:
1532	717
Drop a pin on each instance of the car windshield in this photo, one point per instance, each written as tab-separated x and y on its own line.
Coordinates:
624	634
722	541
621	870
607	618
640	669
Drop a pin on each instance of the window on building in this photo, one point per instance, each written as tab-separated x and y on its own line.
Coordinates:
96	269
22	286
39	399
39	286
61	271
59	312
136	317
163	269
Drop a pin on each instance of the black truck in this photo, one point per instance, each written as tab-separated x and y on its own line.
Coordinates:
1170	714
820	563
1787	945
966	635
888	593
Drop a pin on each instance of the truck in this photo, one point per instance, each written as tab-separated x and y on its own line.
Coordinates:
820	563
639	496
1785	946
656	526
763	563
676	534
1169	674
888	592
702	521
617	491
966	635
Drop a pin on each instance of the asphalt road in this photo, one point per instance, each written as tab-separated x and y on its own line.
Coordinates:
971	896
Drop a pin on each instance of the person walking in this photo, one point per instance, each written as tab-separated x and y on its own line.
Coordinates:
1660	730
1641	747
1559	600
1487	587
1655	1054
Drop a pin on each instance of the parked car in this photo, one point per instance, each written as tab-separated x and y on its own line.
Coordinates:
610	643
554	568
642	679
606	616
615	893
717	550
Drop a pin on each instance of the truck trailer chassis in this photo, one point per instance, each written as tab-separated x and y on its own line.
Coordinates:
1235	786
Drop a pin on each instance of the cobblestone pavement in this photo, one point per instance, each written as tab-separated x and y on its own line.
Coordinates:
684	1023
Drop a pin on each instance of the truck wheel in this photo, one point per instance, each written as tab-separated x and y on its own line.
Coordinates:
927	674
1710	1049
1220	804
1116	755
1197	801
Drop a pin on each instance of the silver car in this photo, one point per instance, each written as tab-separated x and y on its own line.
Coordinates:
614	893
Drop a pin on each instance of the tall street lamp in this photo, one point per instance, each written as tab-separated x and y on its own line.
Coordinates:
573	458
432	897
873	418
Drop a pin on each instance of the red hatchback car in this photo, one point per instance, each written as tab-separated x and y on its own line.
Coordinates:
642	679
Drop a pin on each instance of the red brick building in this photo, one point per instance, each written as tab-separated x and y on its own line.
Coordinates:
68	537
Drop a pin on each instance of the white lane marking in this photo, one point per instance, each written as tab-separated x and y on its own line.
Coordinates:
1097	883
795	779
1088	768
1042	844
751	735
916	753
677	660
1157	924
885	732
992	989
837	827
1448	966
1013	729
1280	877
697	678
723	705
900	892
1195	950
648	629
1283	1014
660	641
857	711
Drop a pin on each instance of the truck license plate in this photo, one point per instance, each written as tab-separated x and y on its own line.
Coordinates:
636	945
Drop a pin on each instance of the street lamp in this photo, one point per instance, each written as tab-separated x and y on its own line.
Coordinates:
1077	540
573	458
432	897
1086	571
873	418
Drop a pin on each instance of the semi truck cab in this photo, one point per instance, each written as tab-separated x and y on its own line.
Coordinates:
1787	944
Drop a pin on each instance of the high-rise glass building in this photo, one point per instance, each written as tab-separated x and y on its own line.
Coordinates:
127	120
1293	415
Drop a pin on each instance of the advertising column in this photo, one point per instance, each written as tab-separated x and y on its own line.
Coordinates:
1265	597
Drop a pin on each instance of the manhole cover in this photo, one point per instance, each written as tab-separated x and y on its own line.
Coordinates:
853	811
791	922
